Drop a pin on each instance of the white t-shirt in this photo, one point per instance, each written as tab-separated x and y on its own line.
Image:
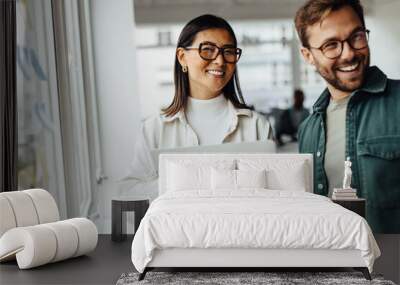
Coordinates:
335	142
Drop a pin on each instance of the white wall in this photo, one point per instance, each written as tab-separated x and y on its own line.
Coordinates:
384	24
119	118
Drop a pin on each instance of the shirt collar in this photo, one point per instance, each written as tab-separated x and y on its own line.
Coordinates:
374	83
239	112
180	115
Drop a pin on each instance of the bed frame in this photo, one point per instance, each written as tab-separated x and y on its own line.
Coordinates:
237	259
249	259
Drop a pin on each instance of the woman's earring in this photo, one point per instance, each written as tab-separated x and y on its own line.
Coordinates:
184	69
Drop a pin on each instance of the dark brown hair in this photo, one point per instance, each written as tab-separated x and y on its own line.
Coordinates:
314	11
231	90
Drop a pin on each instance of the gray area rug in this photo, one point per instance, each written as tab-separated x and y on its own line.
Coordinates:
230	278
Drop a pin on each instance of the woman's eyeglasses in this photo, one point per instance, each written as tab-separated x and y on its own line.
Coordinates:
210	51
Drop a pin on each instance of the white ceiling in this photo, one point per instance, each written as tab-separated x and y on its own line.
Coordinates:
174	11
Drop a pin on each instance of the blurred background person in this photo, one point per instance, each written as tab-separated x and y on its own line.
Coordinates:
290	119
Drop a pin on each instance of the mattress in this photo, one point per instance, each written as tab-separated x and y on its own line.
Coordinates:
250	219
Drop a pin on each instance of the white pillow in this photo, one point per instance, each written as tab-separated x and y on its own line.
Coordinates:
237	179
223	179
282	174
185	175
251	178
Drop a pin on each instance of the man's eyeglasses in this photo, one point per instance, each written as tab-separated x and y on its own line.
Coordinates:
209	51
334	48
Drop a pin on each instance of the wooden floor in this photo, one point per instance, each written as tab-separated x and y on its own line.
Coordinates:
102	266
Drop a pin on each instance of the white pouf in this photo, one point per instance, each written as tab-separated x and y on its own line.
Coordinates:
31	233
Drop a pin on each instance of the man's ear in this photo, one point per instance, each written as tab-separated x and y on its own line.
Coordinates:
307	55
180	55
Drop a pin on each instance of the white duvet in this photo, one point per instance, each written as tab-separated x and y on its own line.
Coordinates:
250	219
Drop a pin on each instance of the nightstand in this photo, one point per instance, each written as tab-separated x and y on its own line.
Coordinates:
121	205
355	205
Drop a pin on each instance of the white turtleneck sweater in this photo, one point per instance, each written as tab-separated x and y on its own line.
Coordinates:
210	119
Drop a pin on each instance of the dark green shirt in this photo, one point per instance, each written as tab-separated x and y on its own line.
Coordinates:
372	143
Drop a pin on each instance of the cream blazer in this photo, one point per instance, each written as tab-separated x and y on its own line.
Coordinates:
160	132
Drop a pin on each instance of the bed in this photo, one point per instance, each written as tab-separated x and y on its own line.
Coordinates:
246	211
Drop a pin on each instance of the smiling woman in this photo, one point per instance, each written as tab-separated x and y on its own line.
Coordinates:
207	73
208	107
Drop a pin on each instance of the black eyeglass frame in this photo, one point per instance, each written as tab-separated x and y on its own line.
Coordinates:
220	51
366	31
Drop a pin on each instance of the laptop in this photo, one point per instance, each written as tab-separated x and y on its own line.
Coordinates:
244	147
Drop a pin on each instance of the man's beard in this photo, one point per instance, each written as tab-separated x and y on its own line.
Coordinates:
344	85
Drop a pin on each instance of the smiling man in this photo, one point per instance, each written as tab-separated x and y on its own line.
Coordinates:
358	114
